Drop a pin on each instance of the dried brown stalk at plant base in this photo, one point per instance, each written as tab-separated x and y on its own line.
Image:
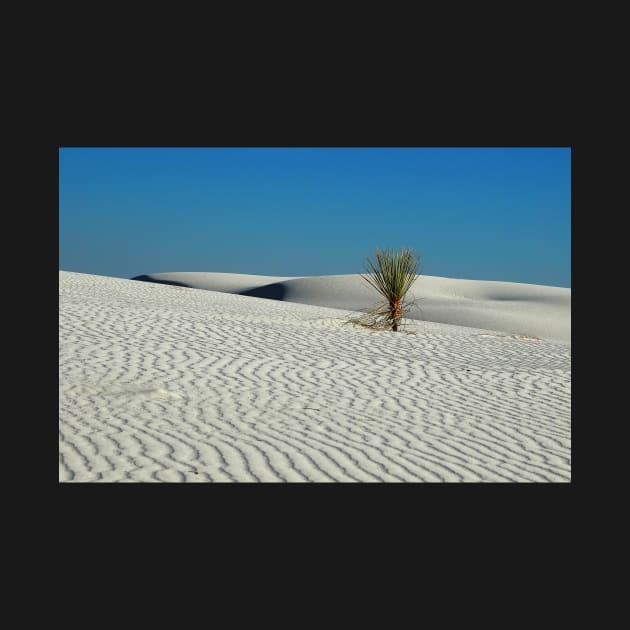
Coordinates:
392	276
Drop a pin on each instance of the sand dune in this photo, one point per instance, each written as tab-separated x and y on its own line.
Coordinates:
161	383
508	307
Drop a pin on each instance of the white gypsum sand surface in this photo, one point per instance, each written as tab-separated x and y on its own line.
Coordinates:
161	383
510	307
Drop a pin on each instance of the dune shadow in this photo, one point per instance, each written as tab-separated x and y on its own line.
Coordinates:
274	291
145	278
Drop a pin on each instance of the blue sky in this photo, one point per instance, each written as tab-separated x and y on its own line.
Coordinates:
475	213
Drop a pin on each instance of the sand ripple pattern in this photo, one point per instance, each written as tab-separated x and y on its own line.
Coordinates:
160	383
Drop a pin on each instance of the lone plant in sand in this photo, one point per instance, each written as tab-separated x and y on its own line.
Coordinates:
392	276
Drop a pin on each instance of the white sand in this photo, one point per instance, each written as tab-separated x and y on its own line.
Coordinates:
508	307
163	383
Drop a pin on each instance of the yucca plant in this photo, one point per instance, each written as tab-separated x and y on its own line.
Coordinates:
391	275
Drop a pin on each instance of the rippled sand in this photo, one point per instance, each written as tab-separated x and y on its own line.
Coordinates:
162	383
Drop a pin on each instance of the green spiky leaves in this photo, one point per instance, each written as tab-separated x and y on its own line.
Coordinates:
391	275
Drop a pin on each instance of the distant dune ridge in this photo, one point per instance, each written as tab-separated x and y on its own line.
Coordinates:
509	307
164	383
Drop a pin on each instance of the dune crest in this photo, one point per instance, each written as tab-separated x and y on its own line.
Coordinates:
508	307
